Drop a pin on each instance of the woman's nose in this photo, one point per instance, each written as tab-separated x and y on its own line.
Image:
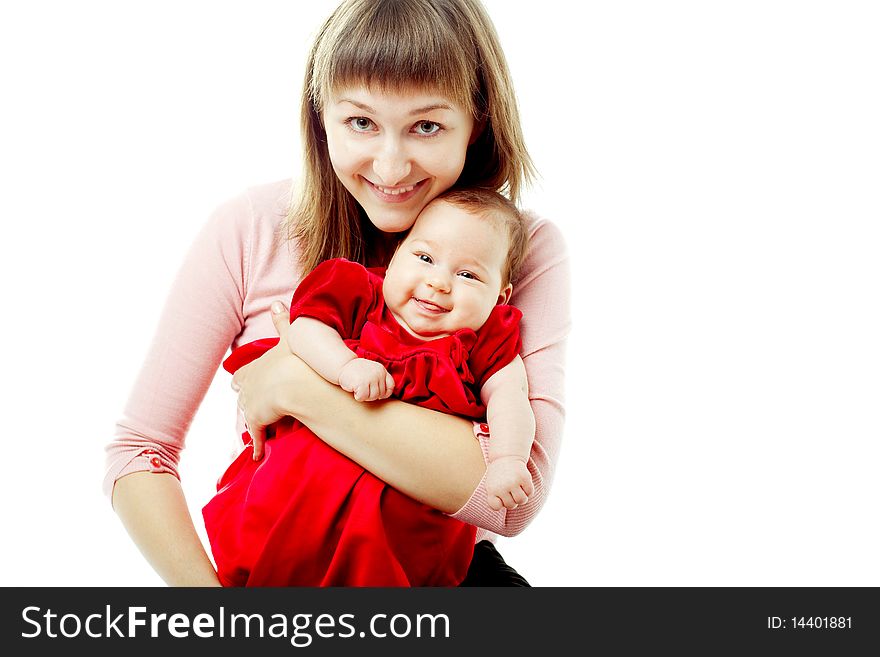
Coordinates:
392	164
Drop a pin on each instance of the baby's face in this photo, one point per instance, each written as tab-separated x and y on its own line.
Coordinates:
446	275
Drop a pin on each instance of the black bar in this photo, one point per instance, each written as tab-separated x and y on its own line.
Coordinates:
551	621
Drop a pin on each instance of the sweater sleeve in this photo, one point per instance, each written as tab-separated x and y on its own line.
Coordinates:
201	318
542	293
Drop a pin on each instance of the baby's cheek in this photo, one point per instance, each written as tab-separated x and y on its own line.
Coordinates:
392	298
389	290
483	315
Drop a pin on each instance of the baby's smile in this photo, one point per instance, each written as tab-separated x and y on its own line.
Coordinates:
430	306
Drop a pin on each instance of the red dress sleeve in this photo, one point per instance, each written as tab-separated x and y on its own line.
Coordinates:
498	343
338	292
247	353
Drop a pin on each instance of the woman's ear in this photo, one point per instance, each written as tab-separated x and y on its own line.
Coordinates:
504	297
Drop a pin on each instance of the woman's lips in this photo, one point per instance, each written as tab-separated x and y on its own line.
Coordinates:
430	307
398	194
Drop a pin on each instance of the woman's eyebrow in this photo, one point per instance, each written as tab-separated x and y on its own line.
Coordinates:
429	108
362	106
420	110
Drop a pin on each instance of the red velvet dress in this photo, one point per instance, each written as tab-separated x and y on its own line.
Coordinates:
306	515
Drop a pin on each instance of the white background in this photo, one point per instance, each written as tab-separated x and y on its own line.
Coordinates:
714	166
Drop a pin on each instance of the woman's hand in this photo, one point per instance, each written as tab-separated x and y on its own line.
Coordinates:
259	384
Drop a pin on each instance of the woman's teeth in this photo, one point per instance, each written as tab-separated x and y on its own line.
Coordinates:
396	190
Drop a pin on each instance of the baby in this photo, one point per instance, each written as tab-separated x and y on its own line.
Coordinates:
436	331
448	274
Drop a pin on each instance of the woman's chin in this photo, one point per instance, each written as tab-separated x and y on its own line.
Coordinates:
391	222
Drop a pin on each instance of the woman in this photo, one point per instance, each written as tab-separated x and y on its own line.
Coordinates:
402	100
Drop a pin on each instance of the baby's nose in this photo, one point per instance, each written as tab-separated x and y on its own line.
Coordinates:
438	282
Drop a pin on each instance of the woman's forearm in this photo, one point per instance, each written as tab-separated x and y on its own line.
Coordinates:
154	512
433	457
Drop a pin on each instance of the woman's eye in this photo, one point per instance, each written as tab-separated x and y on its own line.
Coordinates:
425	258
427	127
359	123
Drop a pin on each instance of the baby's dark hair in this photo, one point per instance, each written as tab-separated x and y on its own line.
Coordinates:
489	204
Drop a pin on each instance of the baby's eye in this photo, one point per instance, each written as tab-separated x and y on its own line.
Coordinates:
427	127
424	257
469	275
359	123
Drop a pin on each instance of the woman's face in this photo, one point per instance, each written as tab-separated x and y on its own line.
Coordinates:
395	152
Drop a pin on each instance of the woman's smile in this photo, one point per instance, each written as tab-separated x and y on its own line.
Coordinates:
397	194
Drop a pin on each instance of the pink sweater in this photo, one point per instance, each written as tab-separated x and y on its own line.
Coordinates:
237	266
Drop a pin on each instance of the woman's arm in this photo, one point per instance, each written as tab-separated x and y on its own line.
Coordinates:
202	315
154	512
430	456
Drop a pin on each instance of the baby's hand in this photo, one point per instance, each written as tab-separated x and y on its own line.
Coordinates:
508	483
367	379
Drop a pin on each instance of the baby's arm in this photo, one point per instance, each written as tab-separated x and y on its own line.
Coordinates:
321	347
512	426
